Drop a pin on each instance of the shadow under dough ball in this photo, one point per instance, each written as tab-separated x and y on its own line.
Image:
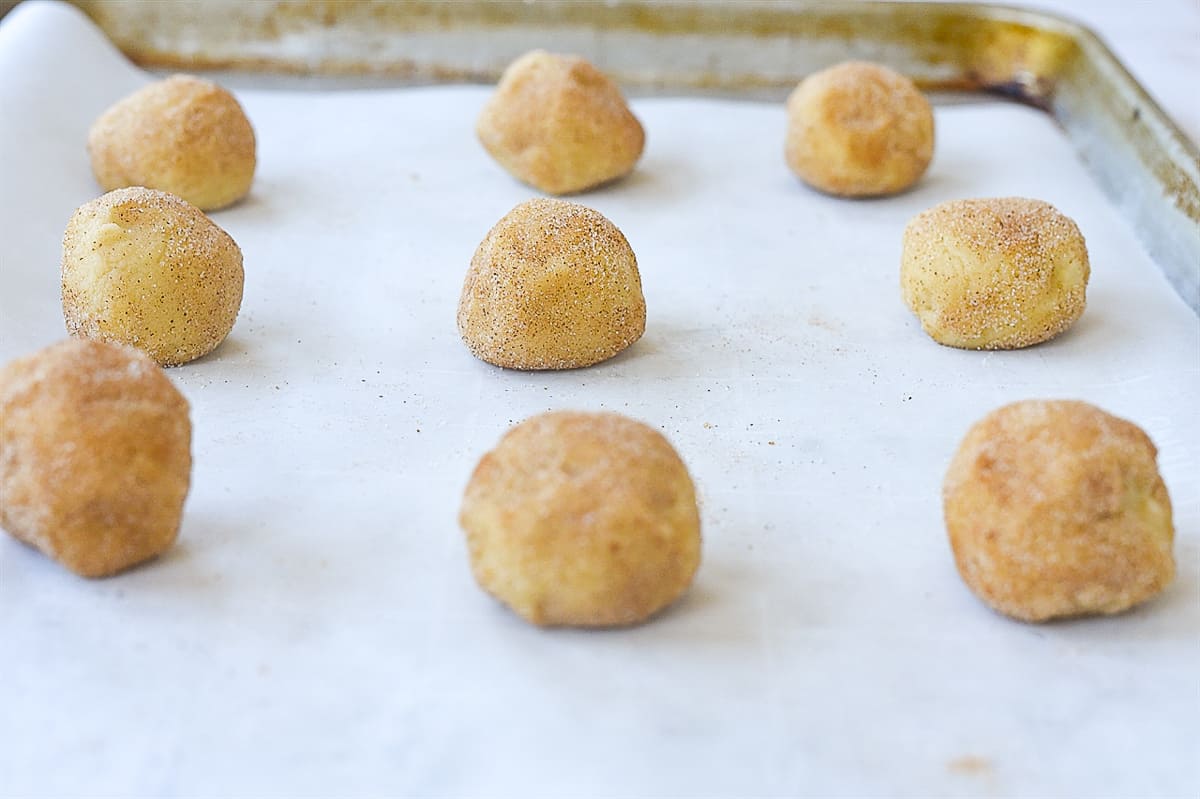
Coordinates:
993	274
582	519
1055	508
560	125
95	455
553	285
145	268
182	134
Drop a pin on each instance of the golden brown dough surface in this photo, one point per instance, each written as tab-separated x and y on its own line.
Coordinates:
95	455
145	268
553	285
858	129
994	274
184	135
560	125
1056	508
582	519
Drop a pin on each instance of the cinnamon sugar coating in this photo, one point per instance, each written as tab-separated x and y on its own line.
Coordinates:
858	129
1000	273
145	268
582	519
95	455
553	285
184	135
560	125
1056	508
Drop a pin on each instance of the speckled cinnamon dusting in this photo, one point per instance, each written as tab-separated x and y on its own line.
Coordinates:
997	273
553	285
1056	508
146	268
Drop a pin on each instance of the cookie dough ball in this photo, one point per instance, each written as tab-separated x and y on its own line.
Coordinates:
858	130
994	274
146	268
553	285
95	455
582	519
183	135
1056	508
560	125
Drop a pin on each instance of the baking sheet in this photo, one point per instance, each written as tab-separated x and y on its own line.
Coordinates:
316	629
752	49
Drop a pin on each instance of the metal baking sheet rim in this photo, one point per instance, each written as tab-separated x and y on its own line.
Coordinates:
1145	165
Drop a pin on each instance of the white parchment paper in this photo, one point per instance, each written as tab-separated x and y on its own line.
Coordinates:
316	630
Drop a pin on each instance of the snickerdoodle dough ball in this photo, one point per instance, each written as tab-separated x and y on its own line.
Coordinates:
95	455
858	130
146	268
553	285
1056	508
184	135
994	274
560	125
582	519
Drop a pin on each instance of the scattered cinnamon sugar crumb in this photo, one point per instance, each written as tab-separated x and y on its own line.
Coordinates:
970	765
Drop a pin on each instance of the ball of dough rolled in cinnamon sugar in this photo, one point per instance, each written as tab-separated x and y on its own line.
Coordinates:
1056	508
146	268
994	273
582	519
95	455
560	125
858	130
554	285
184	135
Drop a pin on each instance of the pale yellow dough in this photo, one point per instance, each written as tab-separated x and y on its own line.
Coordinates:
184	135
95	455
553	285
1055	508
145	268
582	519
858	130
994	273
560	125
